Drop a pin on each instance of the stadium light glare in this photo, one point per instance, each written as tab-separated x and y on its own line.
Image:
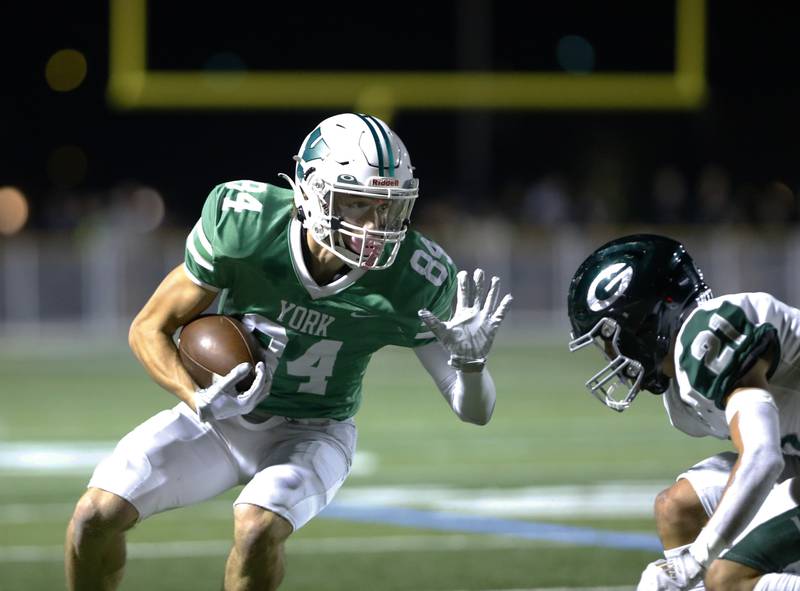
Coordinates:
65	70
13	210
147	209
575	54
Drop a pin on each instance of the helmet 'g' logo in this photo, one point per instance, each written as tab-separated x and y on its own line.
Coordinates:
608	286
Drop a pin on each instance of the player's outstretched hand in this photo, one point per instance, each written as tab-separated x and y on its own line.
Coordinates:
221	400
469	334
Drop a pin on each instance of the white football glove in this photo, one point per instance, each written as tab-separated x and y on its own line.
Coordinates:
685	569
469	334
656	578
681	573
221	400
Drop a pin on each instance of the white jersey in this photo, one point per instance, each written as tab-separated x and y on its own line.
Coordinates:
717	344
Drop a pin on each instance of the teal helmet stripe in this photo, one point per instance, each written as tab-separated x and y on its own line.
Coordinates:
377	142
388	143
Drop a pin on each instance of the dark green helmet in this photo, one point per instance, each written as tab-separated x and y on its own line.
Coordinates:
630	297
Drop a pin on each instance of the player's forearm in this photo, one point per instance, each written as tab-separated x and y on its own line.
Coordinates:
749	486
473	396
470	395
156	351
755	431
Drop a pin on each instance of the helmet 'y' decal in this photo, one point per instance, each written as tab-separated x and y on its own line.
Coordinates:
316	147
608	286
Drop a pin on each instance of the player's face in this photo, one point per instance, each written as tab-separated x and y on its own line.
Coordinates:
366	220
371	213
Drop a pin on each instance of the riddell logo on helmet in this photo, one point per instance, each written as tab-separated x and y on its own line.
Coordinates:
378	181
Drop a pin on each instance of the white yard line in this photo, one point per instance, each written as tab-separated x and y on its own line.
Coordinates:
48	457
604	499
80	457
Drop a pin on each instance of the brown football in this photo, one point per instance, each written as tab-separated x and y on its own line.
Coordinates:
215	344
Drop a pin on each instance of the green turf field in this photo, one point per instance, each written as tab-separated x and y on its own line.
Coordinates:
546	432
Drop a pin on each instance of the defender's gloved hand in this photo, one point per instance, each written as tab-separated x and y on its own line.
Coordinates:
681	573
656	578
469	334
686	569
221	400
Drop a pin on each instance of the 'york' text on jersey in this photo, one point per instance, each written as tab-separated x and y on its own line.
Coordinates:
305	320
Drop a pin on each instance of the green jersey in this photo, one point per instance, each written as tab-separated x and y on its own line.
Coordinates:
248	245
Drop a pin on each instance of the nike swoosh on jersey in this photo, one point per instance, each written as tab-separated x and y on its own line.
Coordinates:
360	315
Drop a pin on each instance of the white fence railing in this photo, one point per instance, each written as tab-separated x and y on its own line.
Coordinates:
99	279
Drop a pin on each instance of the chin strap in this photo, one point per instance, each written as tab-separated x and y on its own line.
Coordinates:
289	180
297	191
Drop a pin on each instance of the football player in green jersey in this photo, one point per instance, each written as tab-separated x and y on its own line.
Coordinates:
726	367
325	274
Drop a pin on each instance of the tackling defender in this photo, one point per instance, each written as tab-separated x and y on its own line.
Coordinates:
301	268
727	367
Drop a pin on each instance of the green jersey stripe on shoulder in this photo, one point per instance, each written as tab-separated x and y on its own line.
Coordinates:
376	140
389	153
718	347
196	236
205	243
197	281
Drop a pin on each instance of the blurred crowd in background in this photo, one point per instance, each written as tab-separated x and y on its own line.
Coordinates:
671	196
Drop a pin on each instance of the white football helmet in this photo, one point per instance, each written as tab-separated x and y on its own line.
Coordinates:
354	189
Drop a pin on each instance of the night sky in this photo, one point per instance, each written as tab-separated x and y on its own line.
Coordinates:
748	127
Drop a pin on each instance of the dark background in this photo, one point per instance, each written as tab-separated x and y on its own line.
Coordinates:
602	166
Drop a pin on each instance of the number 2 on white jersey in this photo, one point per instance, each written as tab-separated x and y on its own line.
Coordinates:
707	346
